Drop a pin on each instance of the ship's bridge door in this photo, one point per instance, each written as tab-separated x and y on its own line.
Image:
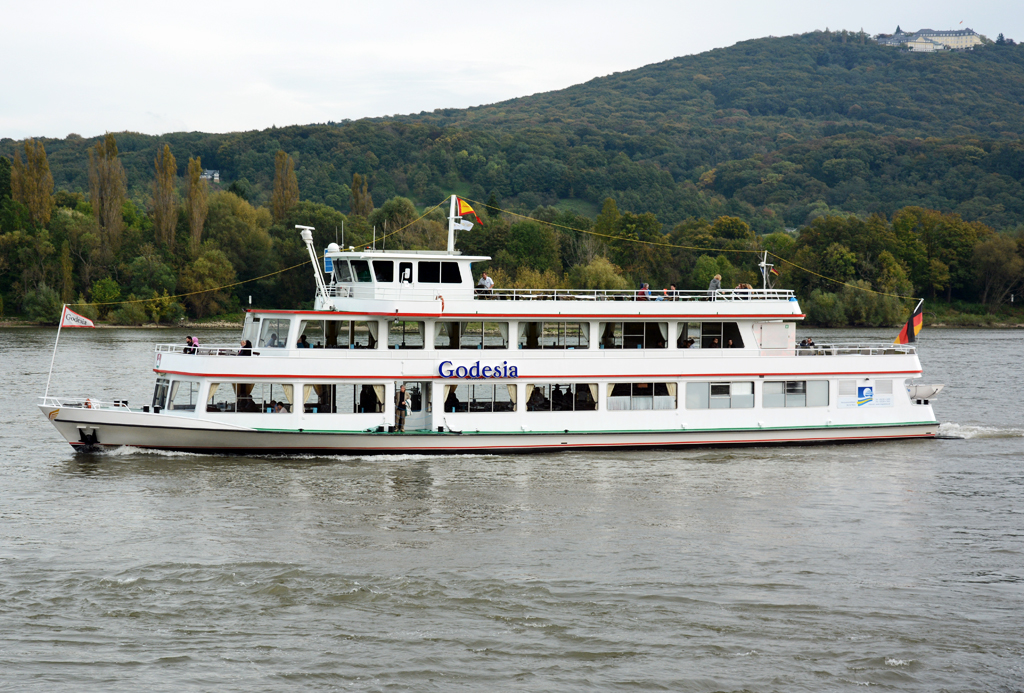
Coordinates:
419	415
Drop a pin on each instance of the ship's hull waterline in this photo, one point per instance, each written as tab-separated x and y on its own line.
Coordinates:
89	430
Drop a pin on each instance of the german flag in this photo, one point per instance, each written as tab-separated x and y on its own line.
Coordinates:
465	210
909	332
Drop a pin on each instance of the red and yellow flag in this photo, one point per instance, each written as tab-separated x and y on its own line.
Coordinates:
909	332
465	210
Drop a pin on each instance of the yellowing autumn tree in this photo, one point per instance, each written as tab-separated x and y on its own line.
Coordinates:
32	182
196	203
107	189
286	186
165	211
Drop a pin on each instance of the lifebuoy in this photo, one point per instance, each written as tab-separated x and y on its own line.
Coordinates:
442	302
89	404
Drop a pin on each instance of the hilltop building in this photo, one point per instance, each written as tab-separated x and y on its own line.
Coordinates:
210	175
929	41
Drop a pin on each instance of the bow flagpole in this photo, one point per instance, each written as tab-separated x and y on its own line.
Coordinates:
71	319
63	309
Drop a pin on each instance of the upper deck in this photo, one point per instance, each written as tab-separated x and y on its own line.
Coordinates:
431	283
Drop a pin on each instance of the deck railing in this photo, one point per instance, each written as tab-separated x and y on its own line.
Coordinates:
83	403
454	291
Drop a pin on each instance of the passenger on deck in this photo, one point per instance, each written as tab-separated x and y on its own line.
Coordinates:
282	408
536	401
715	344
303	343
644	294
189	349
715	286
485	284
246	349
273	341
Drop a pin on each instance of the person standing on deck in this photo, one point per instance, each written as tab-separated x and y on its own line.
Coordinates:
401	407
715	285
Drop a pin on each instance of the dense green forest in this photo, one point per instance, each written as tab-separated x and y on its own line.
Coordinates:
873	166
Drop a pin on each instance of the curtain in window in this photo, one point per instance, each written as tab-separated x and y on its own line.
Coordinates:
585	332
372	325
174	390
593	392
289	390
529	392
213	392
663	329
512	393
503	329
307	390
671	389
522	332
378	390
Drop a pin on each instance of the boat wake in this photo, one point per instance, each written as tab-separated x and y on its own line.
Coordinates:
968	431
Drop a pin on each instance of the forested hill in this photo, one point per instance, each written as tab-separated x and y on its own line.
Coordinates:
777	131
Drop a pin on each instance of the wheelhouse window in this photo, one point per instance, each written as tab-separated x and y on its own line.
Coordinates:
561	397
624	396
471	335
184	394
739	395
255	398
274	333
342	272
384	271
439	272
634	335
554	335
795	393
405	334
361	270
479	398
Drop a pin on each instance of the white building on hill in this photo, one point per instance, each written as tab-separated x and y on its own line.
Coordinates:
928	41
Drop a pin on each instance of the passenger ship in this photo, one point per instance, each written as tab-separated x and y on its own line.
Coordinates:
507	371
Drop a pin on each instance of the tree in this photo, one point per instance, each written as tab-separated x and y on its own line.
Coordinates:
165	211
107	188
196	203
43	305
5	178
67	277
599	274
999	267
1000	40
32	183
362	202
286	186
203	279
105	293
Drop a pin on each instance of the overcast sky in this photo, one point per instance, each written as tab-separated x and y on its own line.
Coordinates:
93	67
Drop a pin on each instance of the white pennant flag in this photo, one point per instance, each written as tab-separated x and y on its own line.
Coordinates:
464	225
72	319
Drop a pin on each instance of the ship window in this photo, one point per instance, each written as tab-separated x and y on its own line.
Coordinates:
250	398
313	331
644	396
320	399
634	335
160	392
384	270
419	395
478	398
405	334
184	395
274	332
450	273
429	272
711	335
341	271
561	397
795	393
720	395
689	335
350	334
471	335
554	335
361	270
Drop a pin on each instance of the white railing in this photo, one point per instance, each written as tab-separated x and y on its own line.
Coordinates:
455	291
83	403
203	349
853	348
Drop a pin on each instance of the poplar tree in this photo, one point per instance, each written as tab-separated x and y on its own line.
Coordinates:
196	204
67	277
362	202
32	182
286	186
165	212
107	189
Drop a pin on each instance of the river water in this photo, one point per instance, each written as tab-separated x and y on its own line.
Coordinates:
896	565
